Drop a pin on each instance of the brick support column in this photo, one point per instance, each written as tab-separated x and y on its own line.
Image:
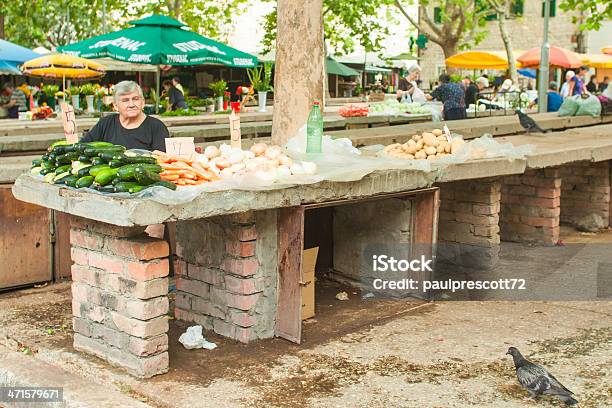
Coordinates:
585	193
468	231
226	274
119	296
530	207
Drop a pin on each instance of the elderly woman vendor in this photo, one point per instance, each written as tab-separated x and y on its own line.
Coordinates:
130	127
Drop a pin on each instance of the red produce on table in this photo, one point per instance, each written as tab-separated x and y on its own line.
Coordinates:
352	110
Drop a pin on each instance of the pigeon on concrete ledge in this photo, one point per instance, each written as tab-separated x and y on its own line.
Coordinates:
527	123
537	380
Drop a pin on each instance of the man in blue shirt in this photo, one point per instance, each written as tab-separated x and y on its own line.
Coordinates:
554	98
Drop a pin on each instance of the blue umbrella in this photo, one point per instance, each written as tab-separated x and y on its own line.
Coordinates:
13	55
528	72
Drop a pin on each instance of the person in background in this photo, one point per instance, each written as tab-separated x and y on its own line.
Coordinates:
565	88
592	86
130	127
482	83
176	100
554	99
603	85
176	81
407	89
452	97
577	85
17	102
471	91
385	86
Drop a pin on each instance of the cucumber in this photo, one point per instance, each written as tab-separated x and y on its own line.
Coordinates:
145	177
80	147
105	176
166	184
45	157
67	158
116	180
106	189
84	171
83	158
135	159
71	180
85	181
126	173
107	156
95	151
63	149
44	171
125	186
35	170
61	178
62	169
94	170
96	160
48	164
115	163
51	157
37	162
137	189
58	143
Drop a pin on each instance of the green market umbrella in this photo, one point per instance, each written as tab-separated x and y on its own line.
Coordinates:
336	68
160	40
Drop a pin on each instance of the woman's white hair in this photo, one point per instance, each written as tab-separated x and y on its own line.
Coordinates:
126	87
414	68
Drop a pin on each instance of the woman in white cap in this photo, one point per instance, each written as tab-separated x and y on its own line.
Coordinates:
408	91
565	88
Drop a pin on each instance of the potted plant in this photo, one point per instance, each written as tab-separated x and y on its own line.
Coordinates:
75	96
218	88
260	78
49	92
89	90
210	104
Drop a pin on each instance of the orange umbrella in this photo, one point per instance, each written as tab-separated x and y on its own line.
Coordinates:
558	57
607	50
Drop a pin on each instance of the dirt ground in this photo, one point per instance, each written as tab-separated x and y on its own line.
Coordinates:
360	353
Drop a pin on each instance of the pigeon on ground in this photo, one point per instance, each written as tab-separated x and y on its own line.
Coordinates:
528	123
537	380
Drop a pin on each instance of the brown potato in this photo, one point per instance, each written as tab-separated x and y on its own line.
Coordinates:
436	132
420	155
429	150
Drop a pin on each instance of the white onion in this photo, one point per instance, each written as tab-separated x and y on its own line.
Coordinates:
296	169
211	152
285	161
283	171
249	154
237	167
236	156
225	149
273	152
259	148
264	175
227	172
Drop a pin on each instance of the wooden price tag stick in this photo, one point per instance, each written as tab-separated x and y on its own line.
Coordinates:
234	122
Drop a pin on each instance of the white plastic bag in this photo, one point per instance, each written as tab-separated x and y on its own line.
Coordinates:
193	339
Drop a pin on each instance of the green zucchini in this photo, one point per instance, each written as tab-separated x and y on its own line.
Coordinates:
83	158
96	160
138	188
62	169
116	180
48	164
105	176
166	184
37	162
49	178
95	151
106	189
94	170
107	156
125	186
126	173
62	178
145	177
85	181
58	143
71	180
80	147
50	170
67	158
63	149
136	159
115	163
84	171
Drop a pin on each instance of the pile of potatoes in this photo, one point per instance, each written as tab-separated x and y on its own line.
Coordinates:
429	145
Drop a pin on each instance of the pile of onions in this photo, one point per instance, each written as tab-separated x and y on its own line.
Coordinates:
265	162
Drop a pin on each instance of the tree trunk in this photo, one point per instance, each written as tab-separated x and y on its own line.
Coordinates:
449	49
501	20
1	26
299	74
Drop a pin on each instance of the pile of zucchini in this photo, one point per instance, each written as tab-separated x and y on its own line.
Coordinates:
103	166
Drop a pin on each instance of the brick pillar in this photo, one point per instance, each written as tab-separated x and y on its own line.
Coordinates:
226	274
119	296
530	207
585	192
468	231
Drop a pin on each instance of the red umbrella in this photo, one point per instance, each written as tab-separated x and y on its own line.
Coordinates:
558	57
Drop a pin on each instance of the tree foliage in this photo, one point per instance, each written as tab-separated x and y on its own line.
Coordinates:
347	24
461	22
594	12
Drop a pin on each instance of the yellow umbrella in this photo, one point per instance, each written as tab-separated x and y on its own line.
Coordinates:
597	60
480	60
62	66
607	50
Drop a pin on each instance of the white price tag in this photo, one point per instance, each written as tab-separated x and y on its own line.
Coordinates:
69	121
449	137
235	133
180	146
